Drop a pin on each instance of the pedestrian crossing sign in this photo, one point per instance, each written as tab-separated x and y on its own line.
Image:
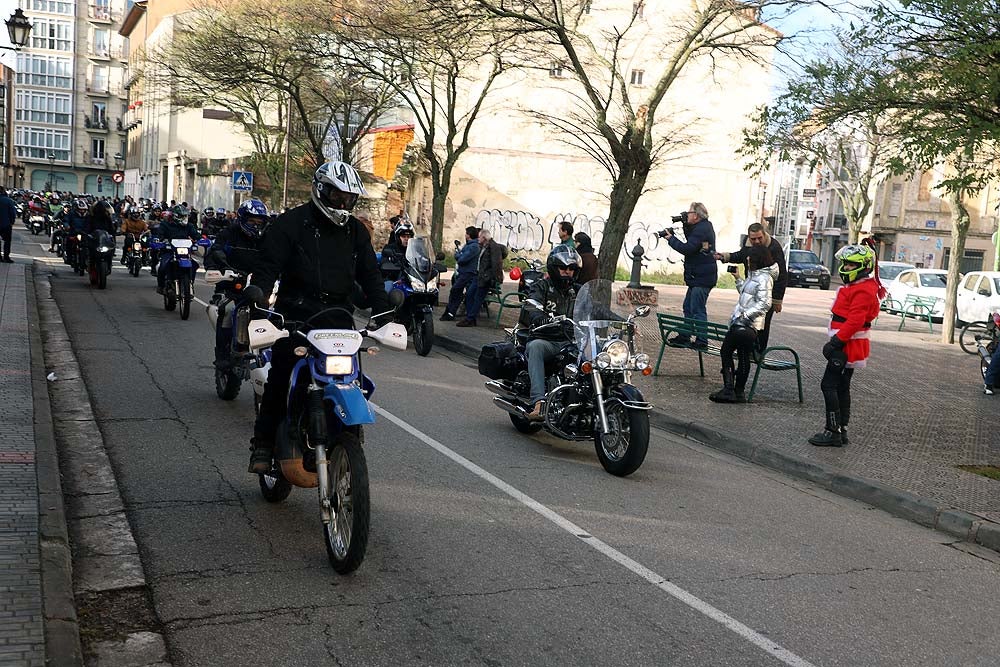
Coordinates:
243	181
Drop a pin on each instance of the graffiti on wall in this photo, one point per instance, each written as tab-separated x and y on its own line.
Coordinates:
525	232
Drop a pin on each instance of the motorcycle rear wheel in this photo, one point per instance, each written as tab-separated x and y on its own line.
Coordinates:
624	450
967	337
169	298
227	384
423	334
103	269
184	296
134	267
523	425
346	536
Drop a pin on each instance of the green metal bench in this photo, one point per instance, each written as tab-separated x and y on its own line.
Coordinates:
509	300
919	307
769	360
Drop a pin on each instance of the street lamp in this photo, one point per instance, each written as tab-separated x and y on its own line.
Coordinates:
19	29
52	164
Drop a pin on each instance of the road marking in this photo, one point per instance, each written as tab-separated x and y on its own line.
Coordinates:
717	615
201	302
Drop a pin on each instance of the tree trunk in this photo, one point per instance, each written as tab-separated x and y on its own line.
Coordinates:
959	229
625	194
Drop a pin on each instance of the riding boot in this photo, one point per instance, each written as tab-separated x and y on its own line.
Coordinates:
262	448
845	416
727	394
830	436
222	337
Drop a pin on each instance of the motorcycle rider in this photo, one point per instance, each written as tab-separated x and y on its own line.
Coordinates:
556	293
236	247
318	250
172	227
992	377
854	308
132	228
394	254
77	222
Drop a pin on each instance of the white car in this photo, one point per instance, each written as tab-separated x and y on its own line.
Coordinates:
924	283
978	296
889	270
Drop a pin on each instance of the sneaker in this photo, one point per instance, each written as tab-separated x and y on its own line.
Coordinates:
466	323
724	395
843	436
447	317
260	459
7	260
679	340
826	439
988	389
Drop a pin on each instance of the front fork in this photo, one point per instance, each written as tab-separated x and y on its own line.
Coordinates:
319	435
599	400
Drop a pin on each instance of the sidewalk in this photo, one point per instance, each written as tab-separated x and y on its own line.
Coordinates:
918	410
21	625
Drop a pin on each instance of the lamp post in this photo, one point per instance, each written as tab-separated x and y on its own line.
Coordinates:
18	29
52	164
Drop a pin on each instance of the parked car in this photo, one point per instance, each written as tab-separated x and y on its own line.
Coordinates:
805	270
978	296
889	270
926	283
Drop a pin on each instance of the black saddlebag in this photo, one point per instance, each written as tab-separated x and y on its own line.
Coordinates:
498	361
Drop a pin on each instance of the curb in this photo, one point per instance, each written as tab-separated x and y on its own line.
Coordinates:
62	631
942	517
102	545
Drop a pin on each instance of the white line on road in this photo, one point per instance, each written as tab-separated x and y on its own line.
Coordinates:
751	635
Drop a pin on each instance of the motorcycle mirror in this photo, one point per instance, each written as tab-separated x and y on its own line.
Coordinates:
439	256
396	298
642	311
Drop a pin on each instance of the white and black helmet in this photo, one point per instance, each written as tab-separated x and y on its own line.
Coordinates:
335	191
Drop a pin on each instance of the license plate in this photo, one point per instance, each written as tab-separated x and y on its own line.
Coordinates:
812	280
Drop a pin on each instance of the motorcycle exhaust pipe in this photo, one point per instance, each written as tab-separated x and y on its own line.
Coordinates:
500	390
515	410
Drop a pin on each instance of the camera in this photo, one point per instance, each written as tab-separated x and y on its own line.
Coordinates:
679	218
732	269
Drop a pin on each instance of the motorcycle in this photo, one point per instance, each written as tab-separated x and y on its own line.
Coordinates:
418	286
37	223
238	365
76	251
534	270
136	254
588	389
319	443
177	288
99	252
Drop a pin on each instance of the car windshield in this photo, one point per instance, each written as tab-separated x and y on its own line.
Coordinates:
890	272
933	280
802	257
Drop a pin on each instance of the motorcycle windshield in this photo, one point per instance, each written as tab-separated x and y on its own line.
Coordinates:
418	257
599	318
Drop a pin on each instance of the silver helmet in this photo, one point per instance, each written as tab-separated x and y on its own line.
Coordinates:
336	189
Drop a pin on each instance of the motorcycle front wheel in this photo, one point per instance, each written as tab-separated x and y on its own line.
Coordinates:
623	450
184	296
423	334
227	384
169	297
103	269
346	535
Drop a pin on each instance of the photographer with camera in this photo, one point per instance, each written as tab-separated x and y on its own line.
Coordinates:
466	266
701	272
757	237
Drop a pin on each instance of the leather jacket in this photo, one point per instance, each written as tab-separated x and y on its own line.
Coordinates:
755	299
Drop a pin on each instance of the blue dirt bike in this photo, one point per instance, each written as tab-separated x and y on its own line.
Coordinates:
181	269
319	444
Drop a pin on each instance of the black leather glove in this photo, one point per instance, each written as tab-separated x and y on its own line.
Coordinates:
832	346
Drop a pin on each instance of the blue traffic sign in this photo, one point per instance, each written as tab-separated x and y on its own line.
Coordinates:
243	181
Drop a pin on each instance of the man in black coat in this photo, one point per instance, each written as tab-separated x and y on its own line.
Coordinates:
757	236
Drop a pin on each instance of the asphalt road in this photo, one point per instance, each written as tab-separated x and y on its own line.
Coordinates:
491	547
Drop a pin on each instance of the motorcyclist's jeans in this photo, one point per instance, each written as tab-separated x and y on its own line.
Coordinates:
741	341
538	352
272	403
992	377
836	387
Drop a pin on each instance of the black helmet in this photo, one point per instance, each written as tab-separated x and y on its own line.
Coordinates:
562	257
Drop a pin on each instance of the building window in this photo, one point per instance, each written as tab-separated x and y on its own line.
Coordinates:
37	106
97	151
636	77
100	9
100	45
39	142
43	70
51	6
556	71
98	81
52	34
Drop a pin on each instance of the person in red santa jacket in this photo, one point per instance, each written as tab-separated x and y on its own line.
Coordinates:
854	308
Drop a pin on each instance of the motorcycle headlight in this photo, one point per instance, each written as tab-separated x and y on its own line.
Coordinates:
339	365
618	353
603	361
137	246
182	251
104	248
641	362
417	285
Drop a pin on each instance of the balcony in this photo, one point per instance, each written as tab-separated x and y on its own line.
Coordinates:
101	13
99	52
96	161
97	88
99	124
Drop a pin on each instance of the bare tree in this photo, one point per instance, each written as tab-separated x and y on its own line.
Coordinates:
620	118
